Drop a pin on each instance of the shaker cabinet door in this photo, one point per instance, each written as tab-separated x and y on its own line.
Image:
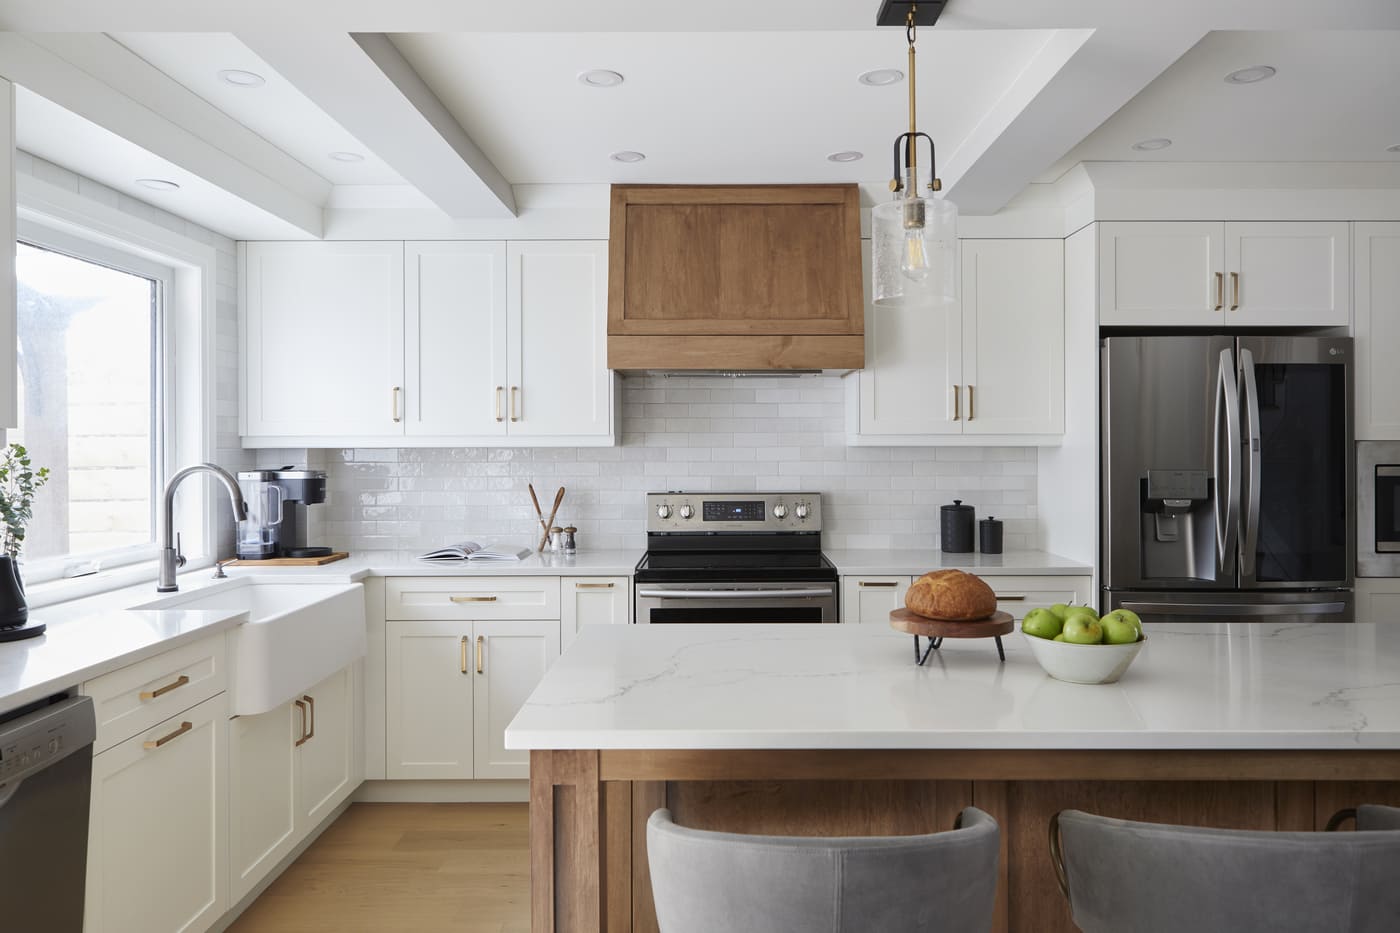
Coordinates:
1169	274
429	700
1288	274
1377	331
509	659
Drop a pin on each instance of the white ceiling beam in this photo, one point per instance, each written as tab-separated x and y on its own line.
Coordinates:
363	83
1072	86
97	78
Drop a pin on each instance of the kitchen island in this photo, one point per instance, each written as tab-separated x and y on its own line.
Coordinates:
825	730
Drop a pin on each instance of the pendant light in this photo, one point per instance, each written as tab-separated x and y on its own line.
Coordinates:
915	237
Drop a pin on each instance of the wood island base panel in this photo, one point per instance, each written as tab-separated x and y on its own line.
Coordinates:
588	809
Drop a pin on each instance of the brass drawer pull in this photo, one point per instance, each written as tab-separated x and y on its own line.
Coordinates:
957	404
594	586
465	639
1219	290
157	743
311	702
499	390
397	419
304	735
514	392
175	684
1010	599
1235	283
889	583
472	599
971	403
480	643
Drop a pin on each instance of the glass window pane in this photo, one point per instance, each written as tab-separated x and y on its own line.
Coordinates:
86	338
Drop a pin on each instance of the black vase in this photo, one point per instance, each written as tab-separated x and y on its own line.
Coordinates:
14	611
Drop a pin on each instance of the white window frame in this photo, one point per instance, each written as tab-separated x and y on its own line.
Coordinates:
47	238
191	348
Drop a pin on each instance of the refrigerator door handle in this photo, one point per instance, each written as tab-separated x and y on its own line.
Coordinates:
1236	611
1250	528
1227	506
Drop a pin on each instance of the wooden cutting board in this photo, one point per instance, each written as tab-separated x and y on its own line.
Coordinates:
290	561
998	623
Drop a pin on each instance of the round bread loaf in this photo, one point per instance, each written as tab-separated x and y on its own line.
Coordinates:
950	595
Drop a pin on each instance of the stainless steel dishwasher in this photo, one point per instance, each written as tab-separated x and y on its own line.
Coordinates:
45	781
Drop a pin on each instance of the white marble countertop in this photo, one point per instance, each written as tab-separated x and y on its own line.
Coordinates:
1241	685
400	564
917	562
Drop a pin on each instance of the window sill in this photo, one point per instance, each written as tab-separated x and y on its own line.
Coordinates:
56	592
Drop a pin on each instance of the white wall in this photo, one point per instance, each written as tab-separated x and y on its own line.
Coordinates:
692	433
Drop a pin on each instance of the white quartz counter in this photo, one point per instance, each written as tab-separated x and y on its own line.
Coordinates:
399	564
917	562
1244	685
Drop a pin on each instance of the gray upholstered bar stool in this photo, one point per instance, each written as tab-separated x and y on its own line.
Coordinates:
1369	818
708	882
1154	878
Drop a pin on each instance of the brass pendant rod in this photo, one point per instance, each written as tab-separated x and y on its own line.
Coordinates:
911	155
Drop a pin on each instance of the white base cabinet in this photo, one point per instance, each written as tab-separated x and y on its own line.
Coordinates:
289	768
869	599
157	843
872	599
1377	599
592	601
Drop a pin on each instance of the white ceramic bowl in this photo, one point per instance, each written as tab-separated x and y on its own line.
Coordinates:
1083	664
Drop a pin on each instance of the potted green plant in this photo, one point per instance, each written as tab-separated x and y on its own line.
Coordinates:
19	481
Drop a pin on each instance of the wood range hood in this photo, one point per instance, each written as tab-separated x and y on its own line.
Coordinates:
744	278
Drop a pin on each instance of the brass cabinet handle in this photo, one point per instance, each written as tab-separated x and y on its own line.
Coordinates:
1009	599
396	404
890	583
157	743
311	703
480	643
957	404
1219	290
499	390
1235	284
514	391
472	599
175	684
465	639
594	586
971	403
304	734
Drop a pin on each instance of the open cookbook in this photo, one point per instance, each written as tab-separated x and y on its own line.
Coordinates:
470	550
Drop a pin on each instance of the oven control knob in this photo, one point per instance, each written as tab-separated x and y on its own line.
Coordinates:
663	511
780	511
687	512
802	511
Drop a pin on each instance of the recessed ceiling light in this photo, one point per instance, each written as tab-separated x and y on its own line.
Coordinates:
1152	145
1394	148
627	155
848	155
1251	74
347	157
240	78
158	184
600	77
881	77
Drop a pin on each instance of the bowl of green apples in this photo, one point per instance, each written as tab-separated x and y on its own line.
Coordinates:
1073	644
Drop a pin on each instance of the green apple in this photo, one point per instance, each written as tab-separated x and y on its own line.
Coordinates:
1059	637
1061	610
1081	611
1121	627
1083	629
1042	623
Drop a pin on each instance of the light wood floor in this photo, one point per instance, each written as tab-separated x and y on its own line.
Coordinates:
424	868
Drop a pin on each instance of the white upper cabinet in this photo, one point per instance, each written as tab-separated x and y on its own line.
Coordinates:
559	379
1214	274
988	370
1013	296
455	339
1166	273
1377	331
323	339
427	343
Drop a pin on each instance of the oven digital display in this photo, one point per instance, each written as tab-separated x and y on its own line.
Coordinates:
739	510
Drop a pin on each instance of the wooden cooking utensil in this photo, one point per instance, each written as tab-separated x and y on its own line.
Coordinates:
539	513
558	498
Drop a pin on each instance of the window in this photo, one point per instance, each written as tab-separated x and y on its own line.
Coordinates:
91	373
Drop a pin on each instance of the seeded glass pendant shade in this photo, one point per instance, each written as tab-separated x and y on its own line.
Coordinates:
915	248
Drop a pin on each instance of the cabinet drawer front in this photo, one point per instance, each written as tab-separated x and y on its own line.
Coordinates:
449	598
1019	595
140	695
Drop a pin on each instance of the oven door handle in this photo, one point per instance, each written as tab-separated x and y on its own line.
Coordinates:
734	594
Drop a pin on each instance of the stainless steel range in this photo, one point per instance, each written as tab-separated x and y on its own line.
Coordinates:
734	557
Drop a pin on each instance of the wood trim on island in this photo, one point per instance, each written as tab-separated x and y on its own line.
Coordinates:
588	809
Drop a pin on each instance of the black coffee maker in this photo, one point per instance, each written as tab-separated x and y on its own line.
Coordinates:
276	522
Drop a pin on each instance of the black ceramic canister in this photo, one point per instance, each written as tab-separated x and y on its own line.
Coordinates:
989	535
955	527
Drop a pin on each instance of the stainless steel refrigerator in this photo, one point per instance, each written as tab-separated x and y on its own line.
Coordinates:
1227	481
